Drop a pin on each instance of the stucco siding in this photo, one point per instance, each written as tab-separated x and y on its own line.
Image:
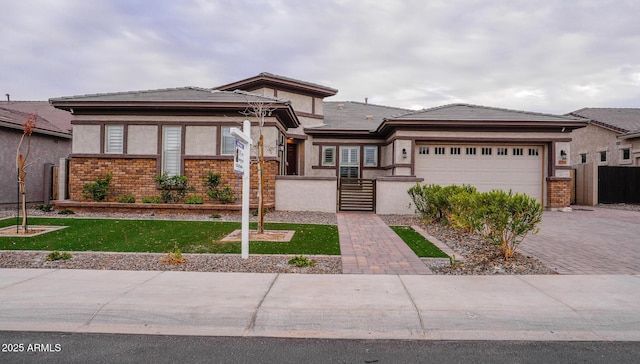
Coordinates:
306	194
591	140
299	102
200	140
86	139
142	139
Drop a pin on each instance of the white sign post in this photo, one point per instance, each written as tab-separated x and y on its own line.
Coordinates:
241	164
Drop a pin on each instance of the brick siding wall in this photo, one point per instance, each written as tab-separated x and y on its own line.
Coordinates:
136	177
558	193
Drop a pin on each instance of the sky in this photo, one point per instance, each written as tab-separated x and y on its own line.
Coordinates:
552	56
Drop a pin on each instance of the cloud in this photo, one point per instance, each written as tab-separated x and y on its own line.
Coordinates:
545	56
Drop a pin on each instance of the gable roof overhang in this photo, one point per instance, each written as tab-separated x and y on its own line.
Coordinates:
13	119
202	102
619	120
266	79
630	135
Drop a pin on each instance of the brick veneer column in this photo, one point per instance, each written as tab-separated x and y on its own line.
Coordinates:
558	192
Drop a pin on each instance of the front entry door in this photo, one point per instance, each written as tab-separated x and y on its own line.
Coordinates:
292	159
349	162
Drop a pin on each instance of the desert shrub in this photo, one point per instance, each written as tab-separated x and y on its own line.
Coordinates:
433	201
56	255
173	187
66	212
44	207
464	213
98	189
212	182
507	218
126	199
194	200
301	261
154	199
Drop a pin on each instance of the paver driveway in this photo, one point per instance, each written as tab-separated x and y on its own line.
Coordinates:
588	240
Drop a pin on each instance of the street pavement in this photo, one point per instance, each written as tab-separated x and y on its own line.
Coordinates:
419	307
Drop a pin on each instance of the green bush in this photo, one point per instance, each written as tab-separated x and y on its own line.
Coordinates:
508	218
194	200
44	207
463	212
66	212
301	261
212	182
56	255
98	190
154	199
432	201
173	187
126	199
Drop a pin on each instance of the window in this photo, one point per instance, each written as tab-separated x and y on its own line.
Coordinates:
583	158
349	162
603	156
626	154
228	141
371	156
328	156
471	150
114	139
518	151
502	151
533	152
423	150
455	150
171	142
438	150
486	151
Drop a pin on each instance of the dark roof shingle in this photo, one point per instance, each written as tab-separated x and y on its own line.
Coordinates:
623	120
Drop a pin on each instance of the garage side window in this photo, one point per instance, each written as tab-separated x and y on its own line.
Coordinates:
471	150
502	151
114	139
423	150
438	150
486	151
533	152
518	151
328	156
455	150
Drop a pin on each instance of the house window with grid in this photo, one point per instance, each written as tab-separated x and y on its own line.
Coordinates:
114	139
438	150
423	150
487	151
370	156
455	150
502	151
328	156
470	151
533	152
518	151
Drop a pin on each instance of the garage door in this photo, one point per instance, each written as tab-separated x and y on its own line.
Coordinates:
506	167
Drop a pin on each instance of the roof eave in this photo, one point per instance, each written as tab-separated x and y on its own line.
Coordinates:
36	130
388	125
256	82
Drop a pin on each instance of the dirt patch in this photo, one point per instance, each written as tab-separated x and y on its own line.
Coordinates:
280	236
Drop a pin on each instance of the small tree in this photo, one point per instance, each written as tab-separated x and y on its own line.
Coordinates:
259	109
22	165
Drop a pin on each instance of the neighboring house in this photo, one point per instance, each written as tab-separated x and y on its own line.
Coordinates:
313	146
611	138
50	141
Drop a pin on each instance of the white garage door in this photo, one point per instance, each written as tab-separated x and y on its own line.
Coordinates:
506	167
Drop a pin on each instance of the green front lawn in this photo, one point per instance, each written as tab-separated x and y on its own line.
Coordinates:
161	236
421	246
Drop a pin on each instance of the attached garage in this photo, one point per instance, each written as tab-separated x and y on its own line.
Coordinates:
486	166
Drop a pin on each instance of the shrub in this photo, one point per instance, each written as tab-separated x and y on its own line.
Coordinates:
464	213
126	199
66	212
174	256
98	190
56	255
433	201
212	182
508	218
301	261
194	200
154	199
44	207
174	187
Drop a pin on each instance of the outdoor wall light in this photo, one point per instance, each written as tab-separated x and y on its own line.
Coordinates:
404	153
563	155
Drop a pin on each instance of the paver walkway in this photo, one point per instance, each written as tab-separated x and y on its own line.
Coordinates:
369	246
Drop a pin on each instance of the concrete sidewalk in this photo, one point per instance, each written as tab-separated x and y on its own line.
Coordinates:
322	306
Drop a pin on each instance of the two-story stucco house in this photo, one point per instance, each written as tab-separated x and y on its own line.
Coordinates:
315	146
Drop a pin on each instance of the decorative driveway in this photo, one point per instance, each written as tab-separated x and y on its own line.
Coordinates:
588	240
